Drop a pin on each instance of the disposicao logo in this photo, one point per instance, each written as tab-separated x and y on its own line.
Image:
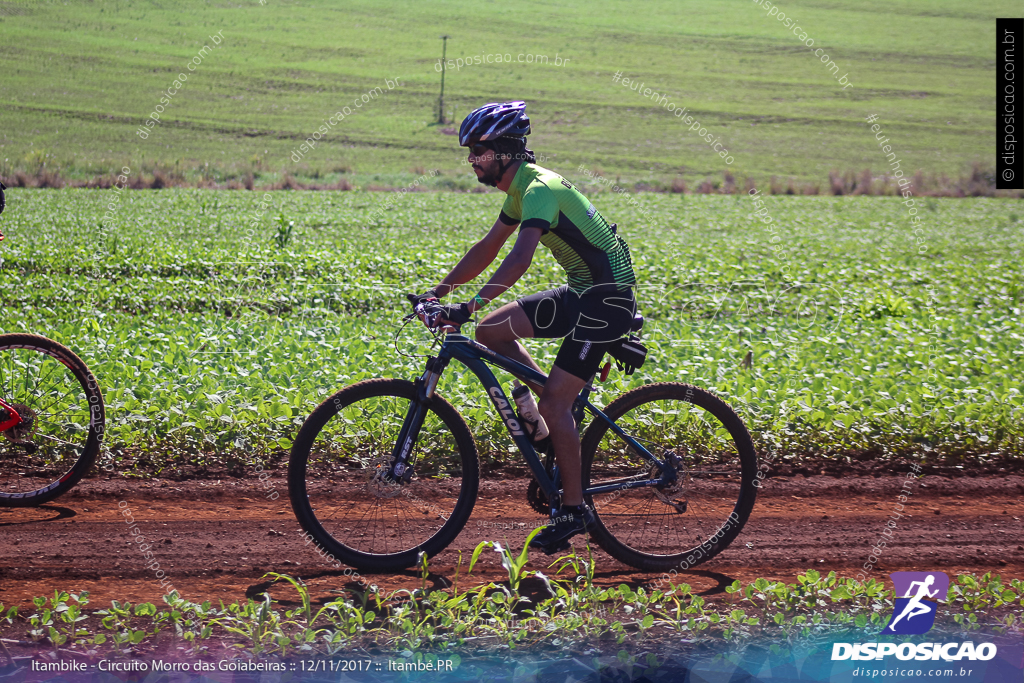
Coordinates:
914	613
922	652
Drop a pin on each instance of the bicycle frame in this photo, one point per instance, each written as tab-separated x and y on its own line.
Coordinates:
476	357
13	419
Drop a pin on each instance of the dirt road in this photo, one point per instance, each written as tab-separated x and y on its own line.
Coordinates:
215	539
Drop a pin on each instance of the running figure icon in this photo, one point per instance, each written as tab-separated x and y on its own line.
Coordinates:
914	613
915	607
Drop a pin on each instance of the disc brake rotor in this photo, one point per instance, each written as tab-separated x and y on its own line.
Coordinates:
377	482
672	494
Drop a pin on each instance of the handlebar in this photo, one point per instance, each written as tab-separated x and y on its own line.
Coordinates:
430	313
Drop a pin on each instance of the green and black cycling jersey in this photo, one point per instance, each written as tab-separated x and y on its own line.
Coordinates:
578	236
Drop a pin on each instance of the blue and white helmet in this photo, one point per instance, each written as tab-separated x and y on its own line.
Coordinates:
495	120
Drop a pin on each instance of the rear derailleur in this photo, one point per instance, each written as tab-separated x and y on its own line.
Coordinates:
20	433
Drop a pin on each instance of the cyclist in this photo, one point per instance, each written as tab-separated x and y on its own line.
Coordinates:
595	308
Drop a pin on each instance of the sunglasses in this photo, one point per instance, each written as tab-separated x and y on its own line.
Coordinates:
479	150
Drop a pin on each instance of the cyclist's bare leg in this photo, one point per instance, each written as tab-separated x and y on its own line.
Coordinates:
555	407
500	331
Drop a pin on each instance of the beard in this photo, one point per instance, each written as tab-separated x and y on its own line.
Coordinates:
491	178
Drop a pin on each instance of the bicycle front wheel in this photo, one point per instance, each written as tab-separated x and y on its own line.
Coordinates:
62	419
343	503
658	528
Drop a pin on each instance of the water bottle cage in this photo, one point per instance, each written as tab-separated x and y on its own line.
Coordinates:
540	445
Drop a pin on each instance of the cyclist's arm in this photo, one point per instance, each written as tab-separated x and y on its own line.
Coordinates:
476	260
511	269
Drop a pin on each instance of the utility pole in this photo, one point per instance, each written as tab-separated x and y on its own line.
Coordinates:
444	66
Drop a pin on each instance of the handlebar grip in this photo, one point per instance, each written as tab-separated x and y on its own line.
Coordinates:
430	319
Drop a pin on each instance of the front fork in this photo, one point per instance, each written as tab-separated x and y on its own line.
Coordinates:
428	381
400	469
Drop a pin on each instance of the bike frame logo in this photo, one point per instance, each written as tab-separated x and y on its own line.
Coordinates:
914	612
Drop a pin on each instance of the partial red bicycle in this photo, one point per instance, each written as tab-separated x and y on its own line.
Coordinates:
51	418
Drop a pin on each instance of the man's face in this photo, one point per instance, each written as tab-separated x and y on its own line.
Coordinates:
485	163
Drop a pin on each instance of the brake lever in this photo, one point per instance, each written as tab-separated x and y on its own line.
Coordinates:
430	320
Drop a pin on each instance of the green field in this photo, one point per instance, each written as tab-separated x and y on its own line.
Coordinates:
205	339
493	618
80	78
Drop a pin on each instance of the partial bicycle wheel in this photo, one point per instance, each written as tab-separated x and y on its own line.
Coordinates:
62	415
659	528
340	498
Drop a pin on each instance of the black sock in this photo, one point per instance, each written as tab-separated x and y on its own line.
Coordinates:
573	508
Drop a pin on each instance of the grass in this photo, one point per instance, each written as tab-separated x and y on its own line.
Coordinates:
208	340
79	80
567	612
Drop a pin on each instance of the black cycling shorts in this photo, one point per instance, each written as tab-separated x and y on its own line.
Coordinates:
588	323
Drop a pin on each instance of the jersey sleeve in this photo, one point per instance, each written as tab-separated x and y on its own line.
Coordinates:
510	212
540	208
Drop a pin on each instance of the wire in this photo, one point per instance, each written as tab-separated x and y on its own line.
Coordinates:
407	319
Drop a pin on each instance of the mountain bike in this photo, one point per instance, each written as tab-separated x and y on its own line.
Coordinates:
51	419
387	468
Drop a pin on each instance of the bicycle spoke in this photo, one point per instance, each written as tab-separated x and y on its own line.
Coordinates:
51	404
54	365
60	441
5	393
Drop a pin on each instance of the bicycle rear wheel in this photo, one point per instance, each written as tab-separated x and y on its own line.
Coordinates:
62	420
341	500
679	526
